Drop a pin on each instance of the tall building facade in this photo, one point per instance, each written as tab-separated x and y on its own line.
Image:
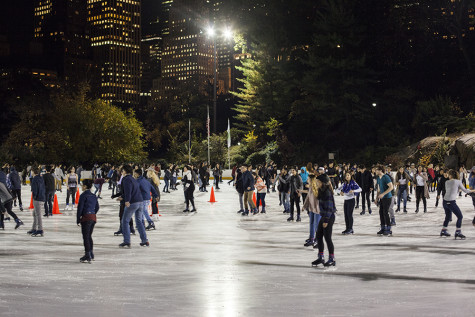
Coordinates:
187	56
62	40
115	40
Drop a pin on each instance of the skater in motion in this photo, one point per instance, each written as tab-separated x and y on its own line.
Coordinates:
189	188
88	207
326	204
38	190
133	206
452	187
72	183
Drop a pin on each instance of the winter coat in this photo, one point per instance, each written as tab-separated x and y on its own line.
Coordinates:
146	188
261	186
367	181
15	179
304	175
248	181
38	188
296	185
131	190
49	182
239	184
187	180
88	207
284	183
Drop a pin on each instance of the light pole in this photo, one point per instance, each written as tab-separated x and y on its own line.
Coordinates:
227	34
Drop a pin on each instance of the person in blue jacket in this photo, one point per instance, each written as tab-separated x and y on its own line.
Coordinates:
88	207
38	190
133	205
145	189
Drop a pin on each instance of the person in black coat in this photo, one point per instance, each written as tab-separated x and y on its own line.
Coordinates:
38	191
88	207
16	186
240	189
367	186
49	191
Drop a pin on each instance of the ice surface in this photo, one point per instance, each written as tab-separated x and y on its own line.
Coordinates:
217	263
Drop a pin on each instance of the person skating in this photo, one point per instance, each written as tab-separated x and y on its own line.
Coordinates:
325	227
166	179
188	188
261	193
422	191
7	202
295	188
216	175
88	206
248	184
284	189
72	183
367	186
311	205
145	189
441	178
155	181
452	186
49	191
384	197
16	186
240	189
402	181
38	191
349	189
133	206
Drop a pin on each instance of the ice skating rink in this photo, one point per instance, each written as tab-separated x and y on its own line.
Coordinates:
217	263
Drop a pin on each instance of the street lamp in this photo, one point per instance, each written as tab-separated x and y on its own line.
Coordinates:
226	34
374	104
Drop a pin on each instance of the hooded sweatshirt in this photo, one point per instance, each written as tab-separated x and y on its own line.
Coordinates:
304	175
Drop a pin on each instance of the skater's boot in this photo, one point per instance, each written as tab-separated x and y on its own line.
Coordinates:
150	226
21	208
240	211
398	209
245	213
298	218
308	243
417	210
369	211
331	261
425	208
290	219
444	233
7	219
118	233
405	210
458	234
124	245
345	231
144	244
350	231
380	232
85	259
437	203
393	221
18	223
387	231
30	231
37	233
263	211
362	213
91	254
319	260
186	210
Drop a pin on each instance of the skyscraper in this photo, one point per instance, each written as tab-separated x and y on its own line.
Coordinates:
60	32
187	54
115	41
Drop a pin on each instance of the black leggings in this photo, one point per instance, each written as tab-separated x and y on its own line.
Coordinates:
327	233
348	207
17	194
365	199
87	228
8	208
419	195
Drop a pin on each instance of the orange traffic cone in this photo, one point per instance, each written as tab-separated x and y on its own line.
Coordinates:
77	197
31	202
56	206
211	197
254	199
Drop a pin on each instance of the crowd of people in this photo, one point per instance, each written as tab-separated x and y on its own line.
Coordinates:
137	187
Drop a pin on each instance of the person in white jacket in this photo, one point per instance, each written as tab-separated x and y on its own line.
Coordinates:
348	189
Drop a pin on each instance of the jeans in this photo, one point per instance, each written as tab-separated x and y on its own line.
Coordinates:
327	233
145	211
98	189
314	220
135	208
87	228
348	207
167	183
384	204
402	194
49	202
285	197
261	199
451	207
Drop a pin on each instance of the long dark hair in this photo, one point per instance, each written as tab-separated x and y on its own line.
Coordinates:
325	190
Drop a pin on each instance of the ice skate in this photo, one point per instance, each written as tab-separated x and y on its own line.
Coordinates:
144	244
319	260
85	259
37	233
458	234
124	245
18	223
330	262
290	219
444	233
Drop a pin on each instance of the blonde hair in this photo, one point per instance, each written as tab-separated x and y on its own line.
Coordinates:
313	184
153	177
